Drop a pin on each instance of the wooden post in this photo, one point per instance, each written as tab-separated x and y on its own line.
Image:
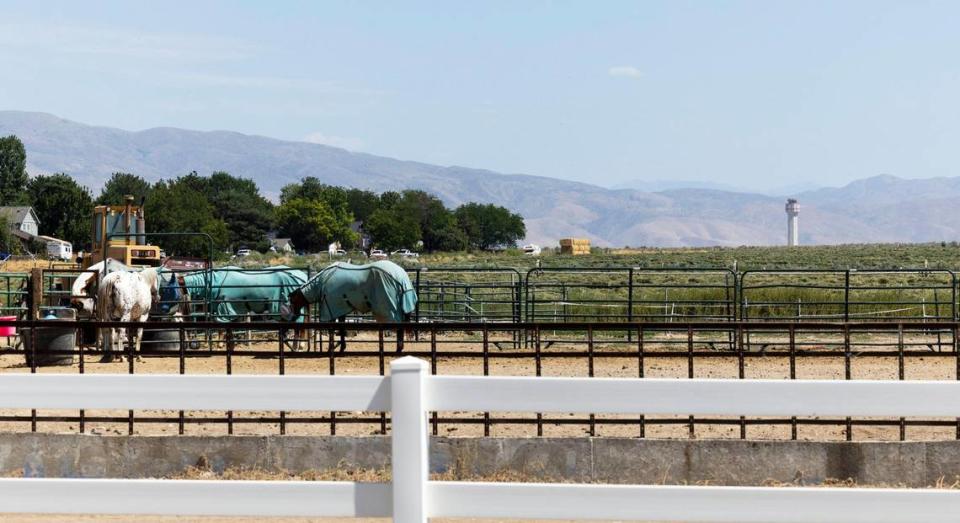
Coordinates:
36	292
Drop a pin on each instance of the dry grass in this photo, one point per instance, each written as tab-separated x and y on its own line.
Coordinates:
24	265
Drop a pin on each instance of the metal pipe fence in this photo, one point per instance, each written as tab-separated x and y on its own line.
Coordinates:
787	350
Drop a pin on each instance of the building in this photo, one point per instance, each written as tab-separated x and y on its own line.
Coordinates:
22	221
364	242
281	245
793	228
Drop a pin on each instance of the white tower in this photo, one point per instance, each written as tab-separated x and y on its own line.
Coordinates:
793	231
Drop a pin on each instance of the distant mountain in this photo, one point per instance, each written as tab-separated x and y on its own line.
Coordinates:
667	185
879	209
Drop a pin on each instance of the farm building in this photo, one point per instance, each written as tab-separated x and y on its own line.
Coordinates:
281	245
22	221
575	246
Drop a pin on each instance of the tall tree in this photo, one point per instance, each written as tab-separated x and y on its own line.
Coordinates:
247	214
362	203
439	230
392	229
13	172
309	222
122	184
335	199
176	206
8	242
488	226
63	207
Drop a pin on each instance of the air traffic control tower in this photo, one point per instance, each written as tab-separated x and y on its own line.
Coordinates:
793	231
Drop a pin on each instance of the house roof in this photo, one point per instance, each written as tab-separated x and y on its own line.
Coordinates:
281	242
22	235
17	214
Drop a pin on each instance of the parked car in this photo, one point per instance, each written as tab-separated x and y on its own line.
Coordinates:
339	252
377	254
244	252
406	253
531	249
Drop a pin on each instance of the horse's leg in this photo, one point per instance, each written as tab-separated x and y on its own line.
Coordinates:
127	334
106	345
342	333
136	350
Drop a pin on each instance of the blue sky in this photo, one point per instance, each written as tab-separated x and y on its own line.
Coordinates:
751	94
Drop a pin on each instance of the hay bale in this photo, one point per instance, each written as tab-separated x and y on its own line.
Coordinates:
575	246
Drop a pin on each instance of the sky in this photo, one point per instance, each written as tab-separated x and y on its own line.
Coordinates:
755	95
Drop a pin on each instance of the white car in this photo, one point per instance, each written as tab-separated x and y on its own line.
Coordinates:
377	254
406	253
531	250
244	252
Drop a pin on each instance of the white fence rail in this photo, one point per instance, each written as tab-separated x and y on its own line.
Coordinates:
410	392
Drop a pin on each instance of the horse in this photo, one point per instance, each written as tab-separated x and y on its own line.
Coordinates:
123	295
233	293
382	288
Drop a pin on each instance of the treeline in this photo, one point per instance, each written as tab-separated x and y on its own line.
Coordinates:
234	214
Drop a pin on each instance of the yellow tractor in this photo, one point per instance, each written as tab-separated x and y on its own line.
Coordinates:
119	232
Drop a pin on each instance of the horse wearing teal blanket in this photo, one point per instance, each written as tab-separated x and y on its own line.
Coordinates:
381	288
234	293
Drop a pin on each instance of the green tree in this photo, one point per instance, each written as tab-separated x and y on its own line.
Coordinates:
335	199
63	207
362	203
8	242
247	215
487	226
439	230
13	172
392	229
176	206
309	222
122	184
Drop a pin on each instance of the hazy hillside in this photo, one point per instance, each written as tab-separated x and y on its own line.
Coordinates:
879	209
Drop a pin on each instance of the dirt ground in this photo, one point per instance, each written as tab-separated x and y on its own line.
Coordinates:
613	360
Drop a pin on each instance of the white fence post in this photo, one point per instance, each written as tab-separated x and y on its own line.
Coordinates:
409	439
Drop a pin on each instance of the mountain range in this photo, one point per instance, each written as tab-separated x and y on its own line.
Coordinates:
881	208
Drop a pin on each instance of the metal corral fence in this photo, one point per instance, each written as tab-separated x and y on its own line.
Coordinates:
736	350
626	294
409	393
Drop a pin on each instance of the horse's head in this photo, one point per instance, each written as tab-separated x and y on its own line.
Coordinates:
169	295
82	291
290	311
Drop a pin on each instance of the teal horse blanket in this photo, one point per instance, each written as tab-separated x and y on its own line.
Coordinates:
234	292
382	288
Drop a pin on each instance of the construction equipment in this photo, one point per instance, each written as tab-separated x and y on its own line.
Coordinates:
119	232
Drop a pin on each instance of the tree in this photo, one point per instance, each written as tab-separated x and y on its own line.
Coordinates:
8	242
310	222
122	184
488	226
247	215
176	206
438	227
335	199
362	203
13	171
392	229
63	207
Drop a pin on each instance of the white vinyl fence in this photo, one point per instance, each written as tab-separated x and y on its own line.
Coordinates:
410	392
